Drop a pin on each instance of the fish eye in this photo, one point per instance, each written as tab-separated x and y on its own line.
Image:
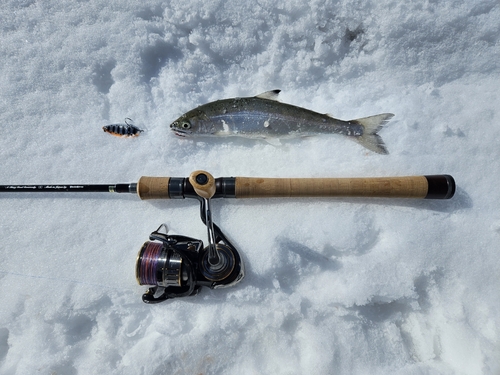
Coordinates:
185	125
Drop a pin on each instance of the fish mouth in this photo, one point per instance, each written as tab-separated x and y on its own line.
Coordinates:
181	133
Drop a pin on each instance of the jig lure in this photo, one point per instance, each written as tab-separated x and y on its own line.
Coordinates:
123	130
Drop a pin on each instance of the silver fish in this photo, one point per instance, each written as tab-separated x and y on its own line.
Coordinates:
263	116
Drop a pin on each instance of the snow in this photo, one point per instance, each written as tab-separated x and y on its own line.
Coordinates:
344	286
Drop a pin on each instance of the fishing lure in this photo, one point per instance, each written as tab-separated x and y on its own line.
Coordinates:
123	130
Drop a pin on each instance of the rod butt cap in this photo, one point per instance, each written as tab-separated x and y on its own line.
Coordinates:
440	186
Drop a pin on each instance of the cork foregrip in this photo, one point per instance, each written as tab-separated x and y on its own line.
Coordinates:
153	187
390	187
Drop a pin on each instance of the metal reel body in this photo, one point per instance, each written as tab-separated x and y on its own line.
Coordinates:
177	266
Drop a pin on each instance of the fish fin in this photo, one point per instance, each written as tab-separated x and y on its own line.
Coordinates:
370	139
273	141
269	95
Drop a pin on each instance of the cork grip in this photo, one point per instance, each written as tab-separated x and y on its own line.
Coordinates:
153	187
202	184
388	187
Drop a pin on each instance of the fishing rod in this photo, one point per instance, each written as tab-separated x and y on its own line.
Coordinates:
178	266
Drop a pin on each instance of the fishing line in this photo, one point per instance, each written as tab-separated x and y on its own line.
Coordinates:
147	262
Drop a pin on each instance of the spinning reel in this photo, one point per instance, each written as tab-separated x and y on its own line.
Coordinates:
179	266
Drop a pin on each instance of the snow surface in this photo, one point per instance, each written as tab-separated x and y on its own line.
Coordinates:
346	286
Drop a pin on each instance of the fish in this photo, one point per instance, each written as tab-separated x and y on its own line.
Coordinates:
123	130
265	117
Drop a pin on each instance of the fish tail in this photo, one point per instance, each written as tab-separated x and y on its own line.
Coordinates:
370	138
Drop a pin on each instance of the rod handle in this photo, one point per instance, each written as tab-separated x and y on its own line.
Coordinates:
153	187
430	187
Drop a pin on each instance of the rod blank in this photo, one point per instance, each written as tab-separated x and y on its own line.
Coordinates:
68	188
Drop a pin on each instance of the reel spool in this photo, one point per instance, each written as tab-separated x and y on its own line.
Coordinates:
158	265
